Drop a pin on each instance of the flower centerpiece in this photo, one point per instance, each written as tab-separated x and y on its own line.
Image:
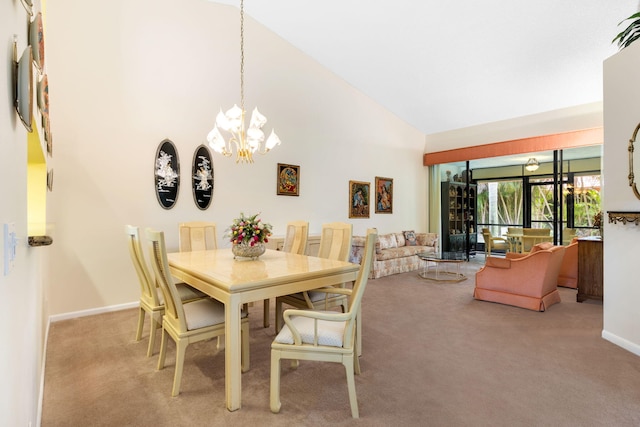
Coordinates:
248	234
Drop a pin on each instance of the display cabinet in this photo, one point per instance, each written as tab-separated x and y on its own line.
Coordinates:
458	217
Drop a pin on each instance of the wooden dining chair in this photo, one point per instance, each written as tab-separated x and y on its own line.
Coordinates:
189	322
335	244
295	241
151	301
197	236
326	336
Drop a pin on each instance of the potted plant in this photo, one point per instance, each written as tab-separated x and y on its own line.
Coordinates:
248	234
630	34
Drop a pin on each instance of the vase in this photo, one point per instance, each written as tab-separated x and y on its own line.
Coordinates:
245	250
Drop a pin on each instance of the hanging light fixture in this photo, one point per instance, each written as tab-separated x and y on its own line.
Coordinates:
247	141
532	164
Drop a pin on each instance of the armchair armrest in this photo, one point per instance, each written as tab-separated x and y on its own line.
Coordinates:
492	261
330	316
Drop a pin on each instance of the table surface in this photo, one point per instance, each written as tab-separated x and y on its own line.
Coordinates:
235	282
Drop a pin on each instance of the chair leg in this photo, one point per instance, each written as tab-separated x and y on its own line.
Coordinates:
155	325
359	332
163	349
274	392
245	353
141	315
351	384
279	318
181	348
265	321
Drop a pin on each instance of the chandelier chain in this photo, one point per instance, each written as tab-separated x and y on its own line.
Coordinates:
242	54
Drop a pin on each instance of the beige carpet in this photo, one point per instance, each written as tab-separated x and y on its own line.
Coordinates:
433	356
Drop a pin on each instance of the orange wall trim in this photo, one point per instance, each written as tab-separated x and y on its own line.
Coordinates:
557	141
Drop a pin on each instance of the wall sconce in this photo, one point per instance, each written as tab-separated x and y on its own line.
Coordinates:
532	165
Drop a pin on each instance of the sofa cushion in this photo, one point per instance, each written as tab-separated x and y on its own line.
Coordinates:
410	238
387	241
405	251
400	239
426	239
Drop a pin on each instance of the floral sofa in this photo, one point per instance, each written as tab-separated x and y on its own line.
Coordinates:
395	252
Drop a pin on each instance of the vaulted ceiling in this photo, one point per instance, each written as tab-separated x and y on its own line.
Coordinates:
443	65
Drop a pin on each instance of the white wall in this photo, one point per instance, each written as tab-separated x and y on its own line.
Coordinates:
21	315
621	242
568	119
126	74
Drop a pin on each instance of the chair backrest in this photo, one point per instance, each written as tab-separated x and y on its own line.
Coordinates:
528	243
295	240
335	241
197	236
172	300
148	289
536	231
514	230
568	275
360	284
567	235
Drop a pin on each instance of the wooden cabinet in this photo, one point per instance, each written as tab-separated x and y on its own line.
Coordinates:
590	269
458	217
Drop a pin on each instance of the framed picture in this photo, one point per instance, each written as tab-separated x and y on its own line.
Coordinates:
359	199
167	174
24	87
202	177
384	195
288	178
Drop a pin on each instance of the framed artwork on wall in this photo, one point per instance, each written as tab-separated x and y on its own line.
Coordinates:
167	174
288	178
36	41
24	86
359	193
202	177
384	195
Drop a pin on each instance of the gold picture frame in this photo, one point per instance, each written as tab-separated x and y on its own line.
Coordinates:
384	195
359	199
288	180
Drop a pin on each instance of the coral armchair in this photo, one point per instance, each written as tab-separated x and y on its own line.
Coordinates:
522	280
568	276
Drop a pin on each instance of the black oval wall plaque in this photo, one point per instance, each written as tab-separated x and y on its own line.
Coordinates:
167	174
202	177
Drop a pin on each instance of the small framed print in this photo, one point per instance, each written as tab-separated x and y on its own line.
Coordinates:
288	179
167	174
202	177
384	195
359	193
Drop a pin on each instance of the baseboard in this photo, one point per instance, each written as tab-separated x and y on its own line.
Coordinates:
92	311
621	342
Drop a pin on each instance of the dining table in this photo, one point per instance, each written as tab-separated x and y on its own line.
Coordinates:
238	281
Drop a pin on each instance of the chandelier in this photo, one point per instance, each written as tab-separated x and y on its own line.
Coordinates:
532	164
246	141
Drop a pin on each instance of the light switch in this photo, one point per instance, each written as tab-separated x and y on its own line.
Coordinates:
10	243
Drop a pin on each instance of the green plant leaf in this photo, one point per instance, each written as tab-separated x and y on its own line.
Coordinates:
629	34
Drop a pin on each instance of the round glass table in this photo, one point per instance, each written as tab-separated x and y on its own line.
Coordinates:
443	267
